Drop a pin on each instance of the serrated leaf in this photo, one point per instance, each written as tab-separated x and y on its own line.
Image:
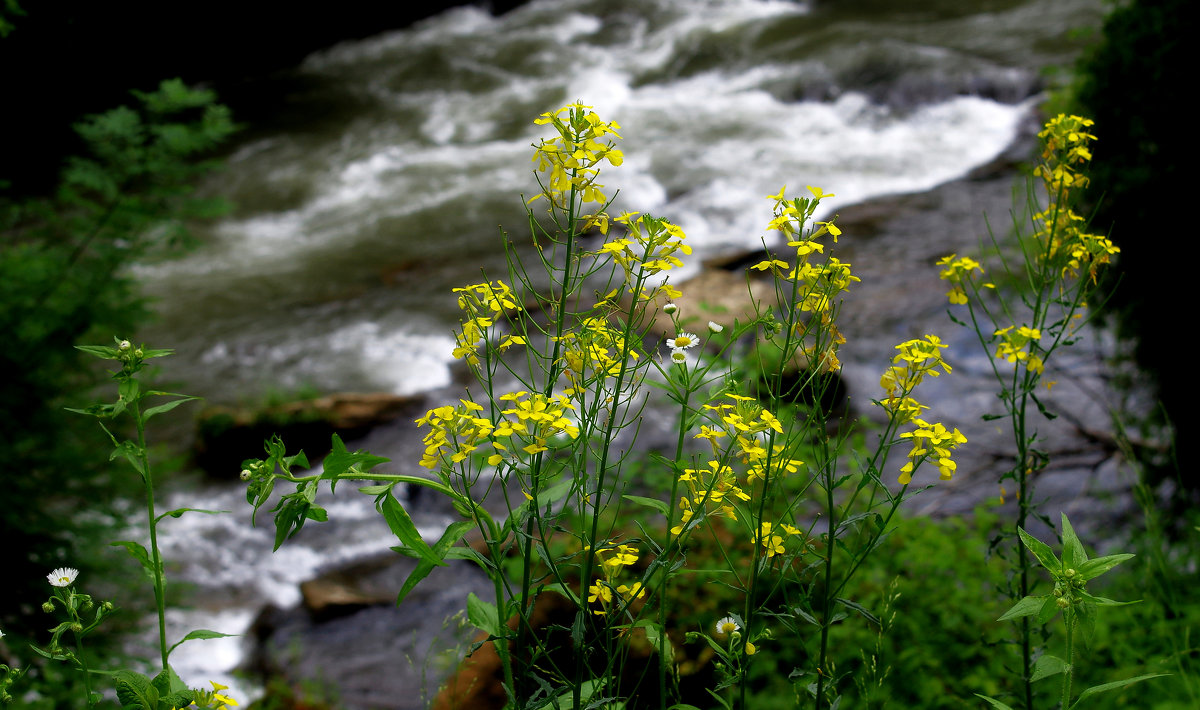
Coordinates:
654	503
1096	689
135	692
339	461
167	681
1047	666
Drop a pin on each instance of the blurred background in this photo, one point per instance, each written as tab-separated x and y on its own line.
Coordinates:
383	150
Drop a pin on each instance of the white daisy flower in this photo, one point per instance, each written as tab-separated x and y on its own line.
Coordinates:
679	357
715	328
670	308
683	341
727	626
62	576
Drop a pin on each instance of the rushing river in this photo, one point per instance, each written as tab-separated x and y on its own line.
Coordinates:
396	160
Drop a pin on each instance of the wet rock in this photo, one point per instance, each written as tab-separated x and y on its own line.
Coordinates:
358	644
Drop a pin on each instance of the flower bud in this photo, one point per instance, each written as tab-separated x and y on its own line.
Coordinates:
48	607
76	627
715	328
124	345
670	308
245	474
138	353
87	605
1069	573
1062	602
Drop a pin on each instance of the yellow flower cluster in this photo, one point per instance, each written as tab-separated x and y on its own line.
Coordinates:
572	157
931	440
482	303
772	538
1016	346
593	352
744	421
818	284
650	248
916	359
957	270
613	558
1065	147
710	489
455	432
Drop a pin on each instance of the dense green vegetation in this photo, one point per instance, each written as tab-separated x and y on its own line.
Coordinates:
64	281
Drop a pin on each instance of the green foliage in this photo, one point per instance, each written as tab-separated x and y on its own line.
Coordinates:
1133	83
64	280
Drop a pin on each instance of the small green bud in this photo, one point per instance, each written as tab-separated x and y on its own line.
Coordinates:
1069	573
245	474
76	627
106	607
48	607
1058	592
124	345
138	353
1062	602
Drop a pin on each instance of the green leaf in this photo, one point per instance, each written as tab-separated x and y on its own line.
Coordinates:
180	511
654	503
198	634
1026	607
1102	601
339	461
160	409
1049	609
403	528
860	609
483	616
454	532
660	641
1073	553
1095	689
376	490
100	351
1047	666
1094	568
1041	551
139	553
132	454
993	702
135	691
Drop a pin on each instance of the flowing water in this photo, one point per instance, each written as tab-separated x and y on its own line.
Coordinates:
392	164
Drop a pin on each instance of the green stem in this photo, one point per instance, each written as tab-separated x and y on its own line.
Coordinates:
1069	619
155	556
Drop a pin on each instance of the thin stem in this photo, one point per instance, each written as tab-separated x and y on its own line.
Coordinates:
155	556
